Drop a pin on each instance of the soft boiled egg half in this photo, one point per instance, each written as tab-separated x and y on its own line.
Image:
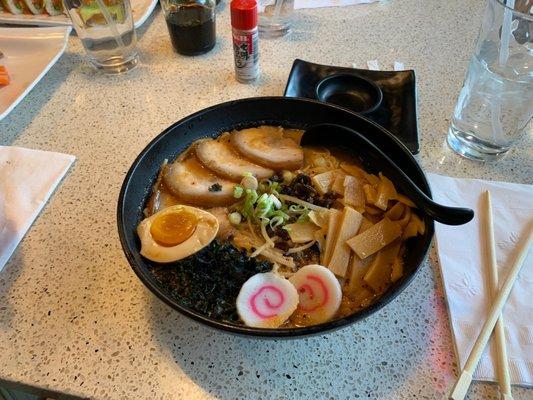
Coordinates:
176	232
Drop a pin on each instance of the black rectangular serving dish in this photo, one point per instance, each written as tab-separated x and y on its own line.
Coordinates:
397	112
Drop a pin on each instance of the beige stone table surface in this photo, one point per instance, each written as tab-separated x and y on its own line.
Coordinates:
75	319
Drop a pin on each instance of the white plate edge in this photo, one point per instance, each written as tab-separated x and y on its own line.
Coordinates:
66	34
44	22
149	10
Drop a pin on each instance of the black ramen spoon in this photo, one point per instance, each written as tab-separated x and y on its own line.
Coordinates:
331	134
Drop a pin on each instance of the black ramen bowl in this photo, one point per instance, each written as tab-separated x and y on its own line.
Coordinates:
239	114
350	91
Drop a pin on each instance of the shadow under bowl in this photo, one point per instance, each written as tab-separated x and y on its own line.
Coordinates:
350	91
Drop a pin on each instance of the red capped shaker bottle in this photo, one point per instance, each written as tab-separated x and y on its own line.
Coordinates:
245	39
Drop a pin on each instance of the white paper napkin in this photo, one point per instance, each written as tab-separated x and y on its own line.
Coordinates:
464	271
328	3
27	180
373	65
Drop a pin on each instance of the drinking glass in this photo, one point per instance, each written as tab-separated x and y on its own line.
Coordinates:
275	17
495	105
106	30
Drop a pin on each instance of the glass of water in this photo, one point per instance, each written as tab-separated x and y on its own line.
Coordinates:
106	30
275	17
495	106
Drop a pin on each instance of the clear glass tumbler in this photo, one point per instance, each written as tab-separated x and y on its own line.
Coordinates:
275	17
106	30
496	102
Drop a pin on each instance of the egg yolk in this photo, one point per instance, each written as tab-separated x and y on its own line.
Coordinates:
171	229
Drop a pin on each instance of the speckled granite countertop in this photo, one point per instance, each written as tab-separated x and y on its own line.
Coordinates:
75	319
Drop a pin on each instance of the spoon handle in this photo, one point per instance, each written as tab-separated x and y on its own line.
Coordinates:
444	214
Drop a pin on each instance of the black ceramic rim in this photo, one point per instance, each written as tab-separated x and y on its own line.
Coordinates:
280	333
377	89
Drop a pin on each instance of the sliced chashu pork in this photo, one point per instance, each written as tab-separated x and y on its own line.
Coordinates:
220	156
267	146
191	182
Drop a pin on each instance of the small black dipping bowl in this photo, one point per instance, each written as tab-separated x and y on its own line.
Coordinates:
350	91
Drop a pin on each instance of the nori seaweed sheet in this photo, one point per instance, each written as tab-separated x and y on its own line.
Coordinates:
210	280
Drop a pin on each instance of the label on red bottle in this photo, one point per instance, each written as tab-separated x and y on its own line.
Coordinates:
246	51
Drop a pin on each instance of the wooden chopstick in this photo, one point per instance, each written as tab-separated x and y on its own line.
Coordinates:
499	334
463	383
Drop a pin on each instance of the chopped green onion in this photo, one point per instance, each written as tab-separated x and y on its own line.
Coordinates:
249	202
297	208
235	218
276	221
264	206
264	185
249	181
276	201
238	191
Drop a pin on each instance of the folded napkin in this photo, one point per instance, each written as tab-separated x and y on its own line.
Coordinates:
464	271
328	3
28	179
373	65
